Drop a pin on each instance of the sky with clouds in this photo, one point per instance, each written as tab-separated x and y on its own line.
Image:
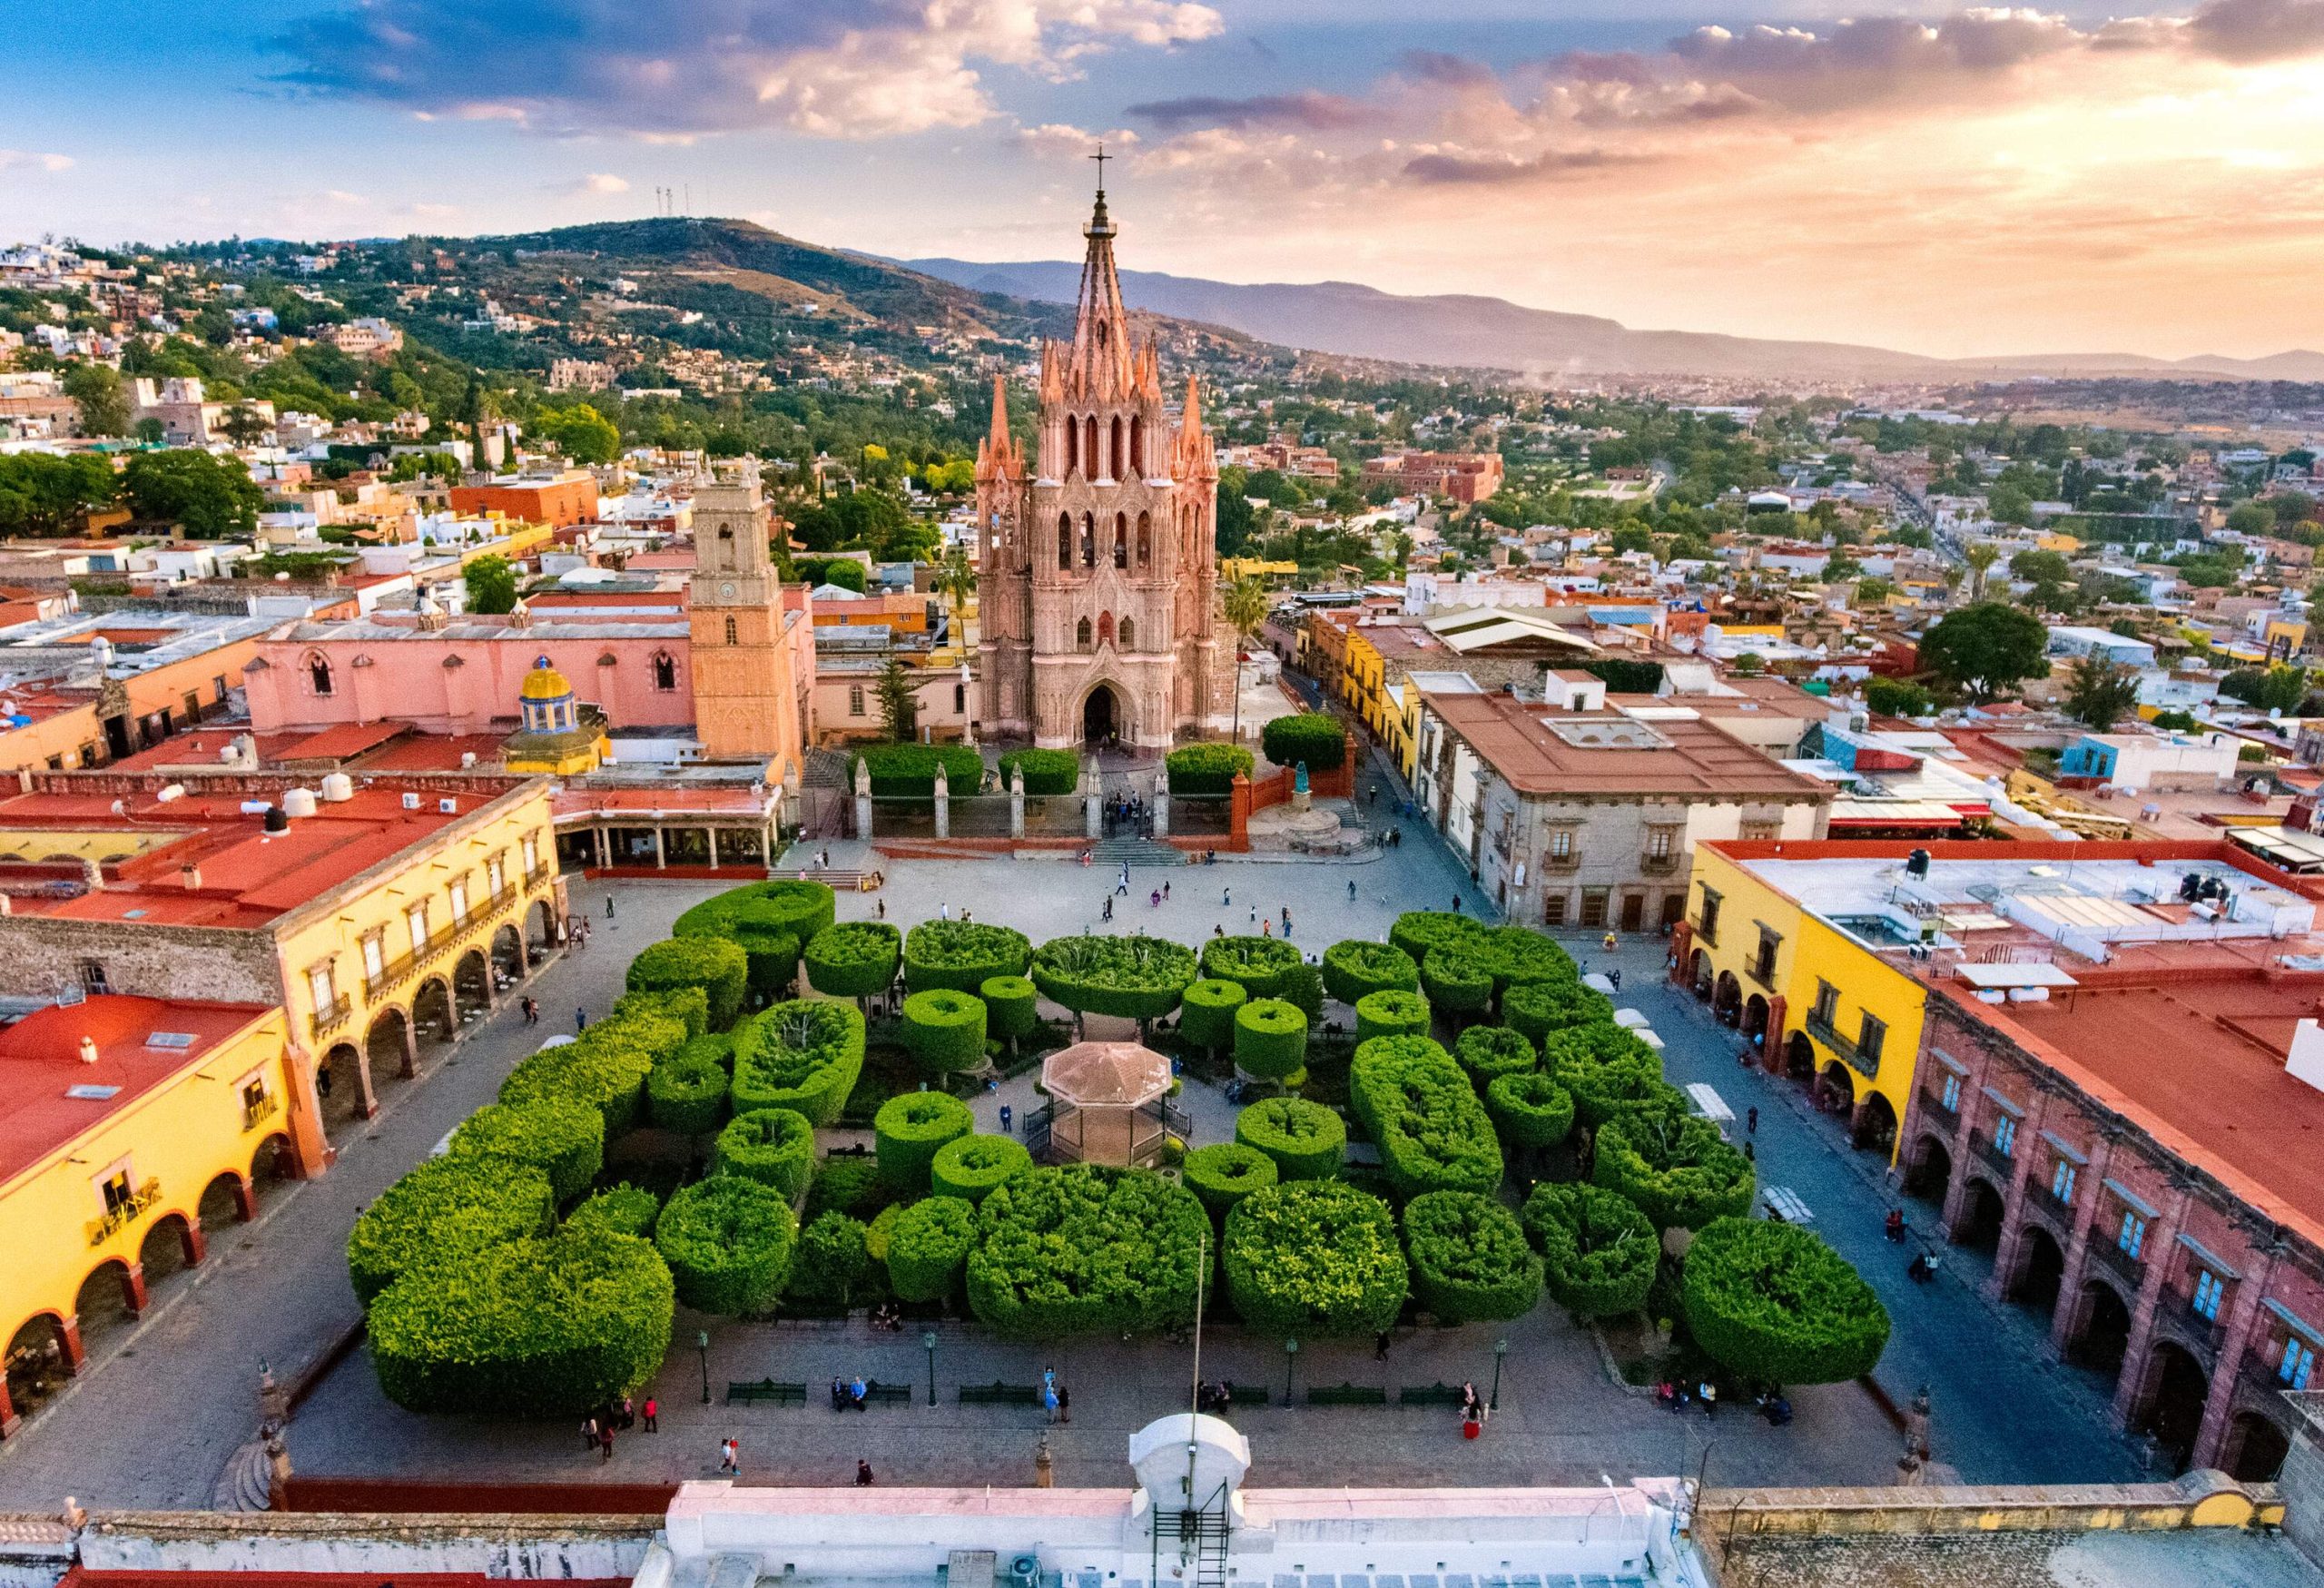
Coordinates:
1960	182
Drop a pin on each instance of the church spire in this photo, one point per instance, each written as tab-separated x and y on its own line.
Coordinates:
997	454
1101	346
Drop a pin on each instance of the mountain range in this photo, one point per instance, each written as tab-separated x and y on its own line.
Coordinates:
1354	320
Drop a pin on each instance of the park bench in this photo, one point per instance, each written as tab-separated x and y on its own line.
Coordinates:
998	1394
1433	1395
1248	1395
765	1389
893	1394
1347	1395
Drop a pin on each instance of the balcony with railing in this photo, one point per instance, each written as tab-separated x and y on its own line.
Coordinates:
259	1110
1993	1154
1761	968
2208	1333
1933	1102
2128	1266
333	1015
1658	865
2060	1211
2261	1370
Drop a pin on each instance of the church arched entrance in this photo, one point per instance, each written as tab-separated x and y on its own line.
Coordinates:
1101	716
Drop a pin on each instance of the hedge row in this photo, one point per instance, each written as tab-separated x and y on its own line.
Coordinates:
728	1241
1355	968
1047	772
1270	1039
621	1210
1309	736
605	1066
686	1094
564	1140
1207	1012
1598	1252
1205	769
969	1166
834	1261
804	1054
911	1130
1490	1052
928	1246
1306	1139
1011	1008
856	958
1226	1172
716	965
1391	1014
908	770
446	1211
962	955
1675	1167
1082	1250
1456	983
1540	1008
1130	978
1469	1261
944	1030
1609	1071
1529	1108
1313	1257
1433	1134
1261	966
775	1146
771	921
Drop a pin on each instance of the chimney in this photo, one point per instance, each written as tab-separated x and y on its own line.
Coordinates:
189	877
88	1050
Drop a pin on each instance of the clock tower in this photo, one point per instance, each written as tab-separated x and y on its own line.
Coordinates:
743	706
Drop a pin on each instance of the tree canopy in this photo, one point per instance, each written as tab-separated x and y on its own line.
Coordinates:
1987	650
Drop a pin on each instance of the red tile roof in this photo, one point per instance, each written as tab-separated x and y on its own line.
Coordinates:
1517	739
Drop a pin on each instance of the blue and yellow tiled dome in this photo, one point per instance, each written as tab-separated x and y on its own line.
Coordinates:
544	700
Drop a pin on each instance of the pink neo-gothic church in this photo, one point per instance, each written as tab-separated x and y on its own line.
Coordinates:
1098	583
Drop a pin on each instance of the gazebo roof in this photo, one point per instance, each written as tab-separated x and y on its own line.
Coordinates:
1121	1073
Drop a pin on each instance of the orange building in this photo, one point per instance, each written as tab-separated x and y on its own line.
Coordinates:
753	642
556	501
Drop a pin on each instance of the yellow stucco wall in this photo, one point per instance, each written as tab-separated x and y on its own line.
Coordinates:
171	1142
35	844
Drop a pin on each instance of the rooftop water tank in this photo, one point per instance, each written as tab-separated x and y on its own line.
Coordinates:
338	788
299	801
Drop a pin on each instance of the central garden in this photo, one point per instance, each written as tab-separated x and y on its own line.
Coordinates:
1440	1128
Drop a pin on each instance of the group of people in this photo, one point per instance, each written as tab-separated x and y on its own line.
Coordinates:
1130	812
851	1395
598	1428
888	1315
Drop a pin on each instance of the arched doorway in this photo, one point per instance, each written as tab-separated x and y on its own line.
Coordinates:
1835	1090
507	953
1800	1057
1101	716
339	1088
541	925
472	985
2103	1336
167	1250
2254	1449
1876	1124
2176	1389
2041	1269
1702	973
109	1301
1755	1016
431	1011
1929	1175
273	1164
385	1051
224	1201
1979	1225
38	1362
1727	999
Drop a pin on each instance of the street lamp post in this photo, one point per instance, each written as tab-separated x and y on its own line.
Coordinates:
928	1340
1500	1353
1290	1355
702	1344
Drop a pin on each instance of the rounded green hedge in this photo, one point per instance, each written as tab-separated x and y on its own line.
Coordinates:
908	770
944	1030
687	1094
728	1241
962	955
1047	772
1455	982
532	1329
1083	1250
605	1066
929	1246
1011	1008
804	1054
1608	1069
1433	1133
1540	1008
1270	1039
1313	1257
1306	1139
1529	1108
1130	978
1775	1305
1598	1252
689	1006
716	965
564	1140
1356	967
834	1261
1207	1012
1262	966
1391	1014
856	959
1469	1261
1310	736
1206	770
771	921
969	1166
911	1130
775	1146
1226	1172
1676	1168
1517	956
1490	1052
1419	933
718	1047
621	1210
445	1210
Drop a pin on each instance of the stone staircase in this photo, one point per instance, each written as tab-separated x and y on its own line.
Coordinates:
1138	852
246	1485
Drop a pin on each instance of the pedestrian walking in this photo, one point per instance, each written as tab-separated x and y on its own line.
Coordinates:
1255	915
1266	929
1166	893
1708	1396
730	1457
605	1441
944	910
1064	1404
1456	903
827	860
1153	899
580	1020
609	906
1380	1343
653	1411
1615	976
589	1433
1226	897
1049	1401
1751	1120
882	906
862	1473
1351	890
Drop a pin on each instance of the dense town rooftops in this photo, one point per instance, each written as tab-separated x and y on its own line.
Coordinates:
52	1089
1542	750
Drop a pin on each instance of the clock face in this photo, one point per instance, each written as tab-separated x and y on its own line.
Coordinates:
727	589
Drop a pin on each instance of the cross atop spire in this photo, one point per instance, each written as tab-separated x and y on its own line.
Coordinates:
1101	157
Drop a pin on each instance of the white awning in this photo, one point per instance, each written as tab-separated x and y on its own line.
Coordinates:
1598	982
1630	1019
1709	1104
2007	975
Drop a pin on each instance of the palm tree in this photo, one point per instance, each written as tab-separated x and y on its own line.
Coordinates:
1980	557
1246	607
955	579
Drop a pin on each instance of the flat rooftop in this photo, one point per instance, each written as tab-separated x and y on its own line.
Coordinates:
1542	750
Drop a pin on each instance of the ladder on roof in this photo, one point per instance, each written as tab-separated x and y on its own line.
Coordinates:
1205	1533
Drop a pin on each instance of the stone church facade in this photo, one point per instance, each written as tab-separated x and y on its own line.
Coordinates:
1097	577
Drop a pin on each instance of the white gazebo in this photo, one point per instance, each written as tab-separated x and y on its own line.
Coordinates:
1108	1102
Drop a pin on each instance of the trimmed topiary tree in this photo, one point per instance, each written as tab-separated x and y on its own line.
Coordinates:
1774	1305
1083	1250
1207	1012
1130	978
716	965
1261	966
962	955
804	1054
771	921
1598	1252
1313	1257
564	1140
621	1210
1270	1039
944	1030
1470	1262
969	1166
908	770
834	1259
605	1066
912	1130
1206	770
1391	1014
447	1208
1675	1167
1420	932
1490	1052
929	1246
1355	968
1529	1109
686	1095
689	1006
1519	956
530	1328
1609	1071
1306	1139
775	1146
1540	1008
1011	1008
856	959
1455	984
1047	772
728	1241
1226	1172
1433	1133
1310	736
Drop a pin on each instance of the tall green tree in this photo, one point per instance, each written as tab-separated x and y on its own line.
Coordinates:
580	432
899	703
956	581
1246	609
244	424
43	494
210	497
96	393
1987	650
2101	693
1980	557
491	583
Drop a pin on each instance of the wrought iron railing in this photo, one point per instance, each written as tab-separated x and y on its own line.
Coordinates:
2130	1266
331	1018
261	1109
1992	1151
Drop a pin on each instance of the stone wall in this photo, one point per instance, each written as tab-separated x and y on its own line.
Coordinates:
585	1548
39	955
2199	1499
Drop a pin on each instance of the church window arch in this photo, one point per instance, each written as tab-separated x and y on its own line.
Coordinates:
1137	445
1121	540
1072	445
1145	539
1088	540
1065	540
319	676
1082	635
1089	446
733	635
1129	640
1105	628
666	671
1117	464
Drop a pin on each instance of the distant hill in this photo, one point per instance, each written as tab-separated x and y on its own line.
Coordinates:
1359	321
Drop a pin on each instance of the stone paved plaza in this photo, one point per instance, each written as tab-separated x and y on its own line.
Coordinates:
169	1400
